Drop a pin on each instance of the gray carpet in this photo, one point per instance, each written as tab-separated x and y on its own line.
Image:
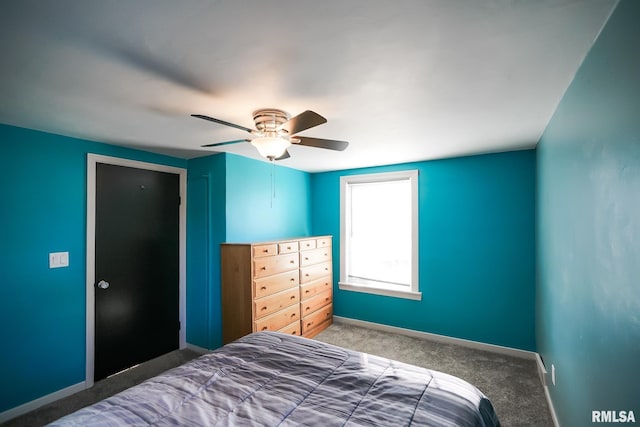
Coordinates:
511	383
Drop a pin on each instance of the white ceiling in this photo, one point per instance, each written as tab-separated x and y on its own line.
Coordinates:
403	80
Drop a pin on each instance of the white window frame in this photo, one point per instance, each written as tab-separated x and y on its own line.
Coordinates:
399	291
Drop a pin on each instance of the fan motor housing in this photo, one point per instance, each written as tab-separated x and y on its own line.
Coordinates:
269	119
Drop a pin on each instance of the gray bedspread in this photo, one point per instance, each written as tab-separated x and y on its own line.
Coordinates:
272	379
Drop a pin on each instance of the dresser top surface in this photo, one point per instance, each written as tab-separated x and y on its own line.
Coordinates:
271	242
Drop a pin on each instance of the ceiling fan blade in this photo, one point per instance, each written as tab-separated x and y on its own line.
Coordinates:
303	121
329	144
222	122
284	155
227	142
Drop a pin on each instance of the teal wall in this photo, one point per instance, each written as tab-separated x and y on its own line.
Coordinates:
42	210
588	213
206	190
477	249
231	199
254	212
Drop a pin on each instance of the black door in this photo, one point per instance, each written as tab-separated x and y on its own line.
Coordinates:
137	266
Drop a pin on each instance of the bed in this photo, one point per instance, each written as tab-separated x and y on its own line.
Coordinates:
269	379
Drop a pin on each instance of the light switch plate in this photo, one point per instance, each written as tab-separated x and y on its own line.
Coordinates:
58	259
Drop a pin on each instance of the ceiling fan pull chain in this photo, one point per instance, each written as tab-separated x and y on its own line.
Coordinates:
272	194
273	165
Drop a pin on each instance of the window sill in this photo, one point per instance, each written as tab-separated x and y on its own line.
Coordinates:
370	289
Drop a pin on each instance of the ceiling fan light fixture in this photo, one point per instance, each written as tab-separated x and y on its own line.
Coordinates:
275	131
271	147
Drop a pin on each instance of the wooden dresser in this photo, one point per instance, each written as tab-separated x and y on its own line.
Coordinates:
284	286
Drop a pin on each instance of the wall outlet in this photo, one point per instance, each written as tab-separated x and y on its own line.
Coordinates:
553	374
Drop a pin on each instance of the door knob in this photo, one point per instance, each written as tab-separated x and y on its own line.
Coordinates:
103	284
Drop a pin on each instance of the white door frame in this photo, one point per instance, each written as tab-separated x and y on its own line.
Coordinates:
92	160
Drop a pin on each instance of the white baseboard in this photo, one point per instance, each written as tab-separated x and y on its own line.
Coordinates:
542	371
439	338
44	400
197	349
554	417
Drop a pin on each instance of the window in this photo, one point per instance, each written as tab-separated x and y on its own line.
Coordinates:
379	234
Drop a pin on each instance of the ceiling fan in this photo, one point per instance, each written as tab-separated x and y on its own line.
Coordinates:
275	132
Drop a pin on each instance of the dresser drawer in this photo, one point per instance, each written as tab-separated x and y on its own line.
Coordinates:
288	247
307	244
313	272
314	256
267	266
291	329
316	318
272	303
311	289
265	250
276	283
278	320
324	242
312	304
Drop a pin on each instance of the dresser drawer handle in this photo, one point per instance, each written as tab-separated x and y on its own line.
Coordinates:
264	328
266	251
263	268
263	288
307	291
263	308
292	262
293	279
293	315
306	258
292	297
